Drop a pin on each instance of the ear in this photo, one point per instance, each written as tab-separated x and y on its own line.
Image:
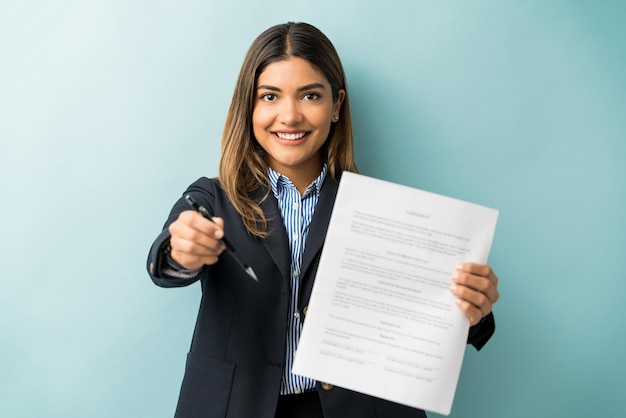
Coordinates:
341	95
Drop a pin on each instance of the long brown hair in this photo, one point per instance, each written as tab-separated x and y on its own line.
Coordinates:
243	168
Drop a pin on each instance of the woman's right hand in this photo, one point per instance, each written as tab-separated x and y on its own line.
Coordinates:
196	241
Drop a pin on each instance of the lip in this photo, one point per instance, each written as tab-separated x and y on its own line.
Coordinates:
290	135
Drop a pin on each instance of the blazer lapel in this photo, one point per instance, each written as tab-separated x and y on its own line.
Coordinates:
319	223
276	242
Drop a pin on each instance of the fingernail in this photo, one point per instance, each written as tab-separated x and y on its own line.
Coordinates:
459	267
453	287
455	276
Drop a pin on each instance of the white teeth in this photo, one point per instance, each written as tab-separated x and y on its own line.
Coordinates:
290	137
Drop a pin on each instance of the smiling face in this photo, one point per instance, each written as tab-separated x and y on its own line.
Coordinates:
292	116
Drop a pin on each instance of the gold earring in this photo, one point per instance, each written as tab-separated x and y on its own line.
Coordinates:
336	118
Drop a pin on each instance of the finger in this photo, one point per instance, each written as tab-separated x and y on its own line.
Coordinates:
200	246
485	284
195	241
191	261
191	255
475	298
476	269
191	230
475	289
473	314
194	220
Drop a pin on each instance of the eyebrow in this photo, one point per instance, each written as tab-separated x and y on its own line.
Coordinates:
307	87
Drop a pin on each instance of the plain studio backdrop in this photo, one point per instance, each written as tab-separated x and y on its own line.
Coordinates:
109	109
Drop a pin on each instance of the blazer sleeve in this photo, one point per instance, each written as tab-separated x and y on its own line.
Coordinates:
480	333
203	190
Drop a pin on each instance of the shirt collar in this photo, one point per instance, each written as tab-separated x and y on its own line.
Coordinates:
280	182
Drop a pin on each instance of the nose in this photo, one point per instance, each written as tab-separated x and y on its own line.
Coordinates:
290	112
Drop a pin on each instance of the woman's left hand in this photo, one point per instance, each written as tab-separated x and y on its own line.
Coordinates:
476	289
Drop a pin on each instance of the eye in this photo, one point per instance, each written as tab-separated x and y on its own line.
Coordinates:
311	96
268	97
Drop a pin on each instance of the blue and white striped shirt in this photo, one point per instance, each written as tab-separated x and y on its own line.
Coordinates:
297	211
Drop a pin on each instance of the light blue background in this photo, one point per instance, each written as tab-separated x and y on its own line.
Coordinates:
108	109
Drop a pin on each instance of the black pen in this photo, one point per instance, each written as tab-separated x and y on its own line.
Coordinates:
231	249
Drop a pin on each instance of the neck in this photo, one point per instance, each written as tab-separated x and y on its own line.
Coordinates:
302	176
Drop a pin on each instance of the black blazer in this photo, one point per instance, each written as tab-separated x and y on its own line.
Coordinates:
235	362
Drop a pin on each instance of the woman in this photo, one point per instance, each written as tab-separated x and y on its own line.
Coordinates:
286	141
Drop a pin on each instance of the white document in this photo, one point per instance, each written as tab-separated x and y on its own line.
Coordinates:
381	319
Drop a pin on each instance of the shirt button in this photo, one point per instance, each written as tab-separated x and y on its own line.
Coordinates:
296	315
296	205
294	236
298	391
326	386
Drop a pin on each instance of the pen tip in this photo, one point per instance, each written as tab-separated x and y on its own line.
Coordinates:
251	274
